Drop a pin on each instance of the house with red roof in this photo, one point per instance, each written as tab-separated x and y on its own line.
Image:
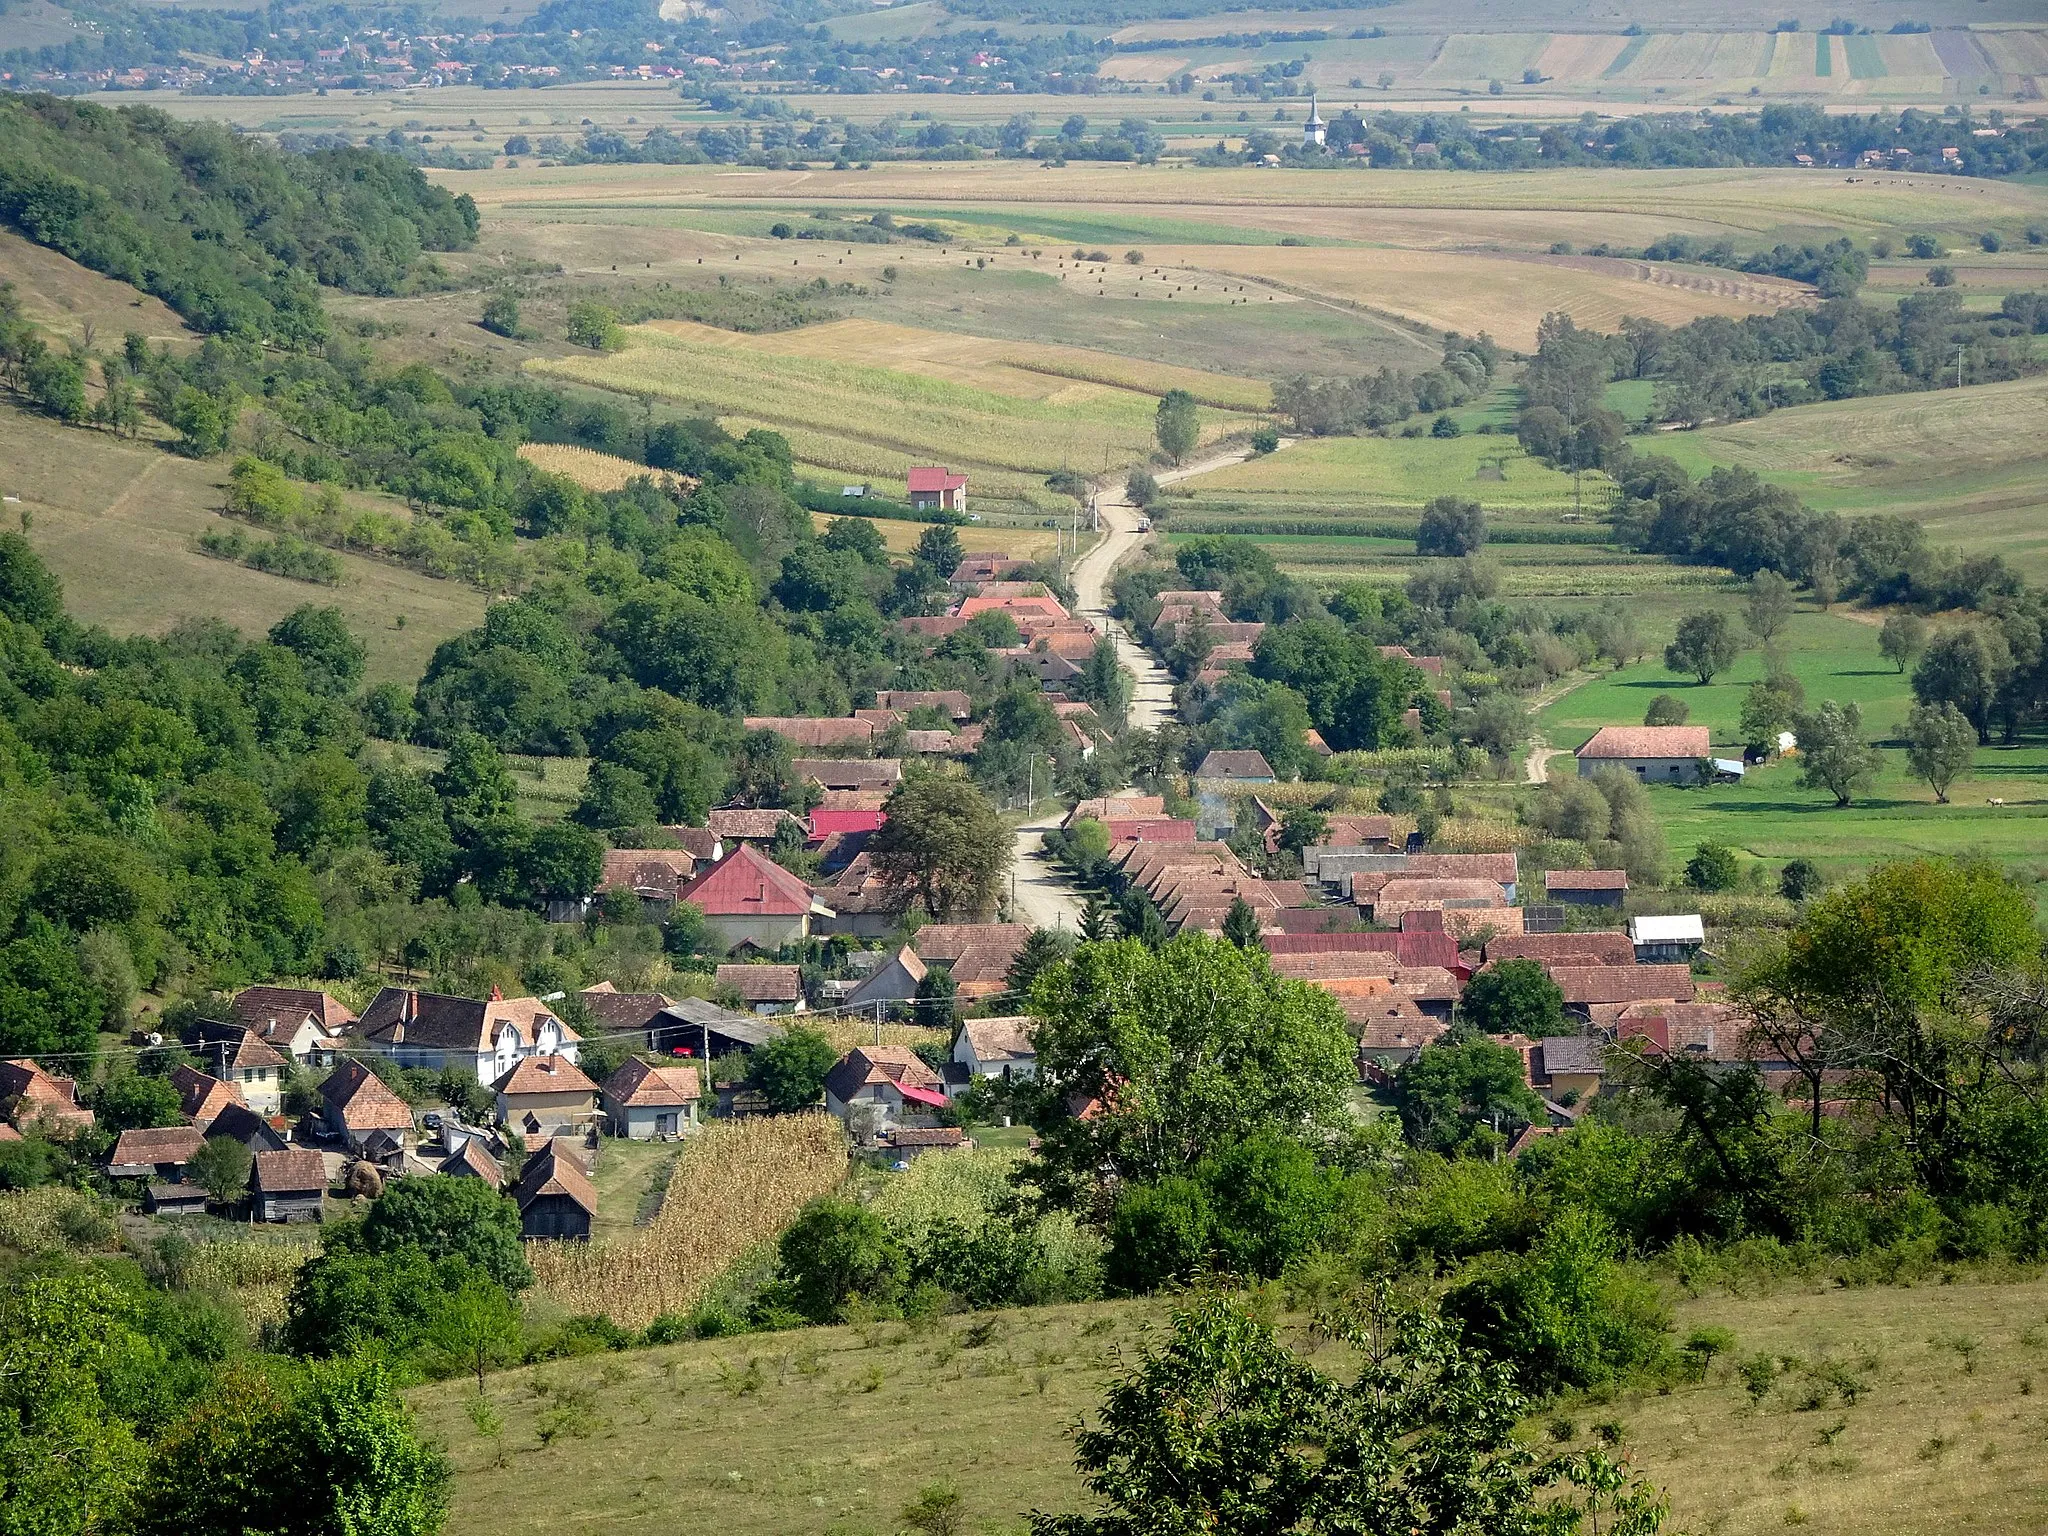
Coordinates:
752	900
935	488
828	822
1656	754
882	1083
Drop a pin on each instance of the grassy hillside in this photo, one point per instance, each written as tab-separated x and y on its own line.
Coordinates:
116	521
833	1430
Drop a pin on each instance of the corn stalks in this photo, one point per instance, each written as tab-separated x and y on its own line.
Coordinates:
737	1183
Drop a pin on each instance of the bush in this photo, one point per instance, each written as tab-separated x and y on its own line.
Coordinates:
1158	1235
1565	1314
1665	709
1713	867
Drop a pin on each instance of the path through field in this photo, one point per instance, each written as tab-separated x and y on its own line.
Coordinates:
1041	893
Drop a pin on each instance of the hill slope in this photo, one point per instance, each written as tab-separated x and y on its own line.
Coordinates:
833	1430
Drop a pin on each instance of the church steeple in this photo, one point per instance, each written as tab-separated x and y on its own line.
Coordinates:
1312	131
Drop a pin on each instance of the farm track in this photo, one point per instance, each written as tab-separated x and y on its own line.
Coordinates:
1041	895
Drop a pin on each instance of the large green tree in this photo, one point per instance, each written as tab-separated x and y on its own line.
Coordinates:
942	848
1183	1048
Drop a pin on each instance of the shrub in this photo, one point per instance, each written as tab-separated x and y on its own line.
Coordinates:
1159	1234
1665	709
1713	867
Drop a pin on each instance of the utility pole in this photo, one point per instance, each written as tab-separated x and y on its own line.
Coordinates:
1959	367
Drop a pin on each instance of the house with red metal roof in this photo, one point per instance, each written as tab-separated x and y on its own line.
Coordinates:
752	900
933	487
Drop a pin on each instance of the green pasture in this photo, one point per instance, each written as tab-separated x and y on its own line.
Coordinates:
1400	472
1768	816
1833	657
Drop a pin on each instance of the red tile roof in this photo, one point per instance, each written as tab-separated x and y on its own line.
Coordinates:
763	983
1562	948
926	479
641	1084
1626	741
362	1100
544	1074
747	883
257	1007
1623	983
203	1097
294	1171
1585	880
807	731
171	1144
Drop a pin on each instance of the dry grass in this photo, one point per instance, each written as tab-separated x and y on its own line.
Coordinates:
736	1184
590	469
893	416
64	298
116	521
900	536
832	1430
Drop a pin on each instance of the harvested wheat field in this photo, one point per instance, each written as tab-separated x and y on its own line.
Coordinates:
1504	295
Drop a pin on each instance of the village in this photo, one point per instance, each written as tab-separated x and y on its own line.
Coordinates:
1392	930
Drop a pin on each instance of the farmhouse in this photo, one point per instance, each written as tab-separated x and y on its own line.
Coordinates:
643	1102
751	899
545	1096
238	1055
847	773
817	731
1656	754
934	488
32	1099
202	1098
289	1185
894	981
765	989
883	1081
159	1156
652	874
998	1048
487	1036
240	1123
1668	940
471	1161
1586	887
306	1025
1562	948
741	825
1236	767
355	1105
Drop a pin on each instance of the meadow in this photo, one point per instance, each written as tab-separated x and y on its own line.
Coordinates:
833	1430
1769	816
1969	463
117	520
1008	430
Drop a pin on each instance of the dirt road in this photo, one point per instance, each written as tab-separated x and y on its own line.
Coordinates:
1043	897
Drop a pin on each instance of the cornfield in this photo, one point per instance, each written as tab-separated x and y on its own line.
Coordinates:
736	1184
590	469
845	1031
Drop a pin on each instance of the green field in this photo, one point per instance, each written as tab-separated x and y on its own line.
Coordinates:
1972	464
1769	815
1395	472
831	1431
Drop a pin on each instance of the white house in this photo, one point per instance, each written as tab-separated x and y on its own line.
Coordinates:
488	1036
999	1048
238	1056
1656	754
